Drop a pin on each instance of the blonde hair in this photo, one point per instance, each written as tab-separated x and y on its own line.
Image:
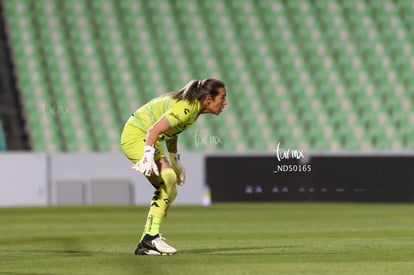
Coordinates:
198	89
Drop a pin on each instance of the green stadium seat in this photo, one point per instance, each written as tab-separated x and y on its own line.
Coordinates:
3	146
283	62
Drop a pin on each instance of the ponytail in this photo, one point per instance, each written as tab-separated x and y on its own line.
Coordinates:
189	91
198	89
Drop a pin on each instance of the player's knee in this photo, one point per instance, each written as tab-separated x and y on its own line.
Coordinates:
169	177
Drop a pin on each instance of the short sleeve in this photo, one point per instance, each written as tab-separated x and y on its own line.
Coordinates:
180	113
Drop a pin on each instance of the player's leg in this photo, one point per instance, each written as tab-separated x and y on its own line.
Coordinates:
132	144
164	194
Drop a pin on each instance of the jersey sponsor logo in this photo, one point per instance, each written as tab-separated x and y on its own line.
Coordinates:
177	117
186	111
166	136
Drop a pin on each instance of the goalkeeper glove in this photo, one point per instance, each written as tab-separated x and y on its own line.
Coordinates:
178	168
147	163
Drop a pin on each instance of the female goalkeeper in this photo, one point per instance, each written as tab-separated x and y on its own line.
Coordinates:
162	119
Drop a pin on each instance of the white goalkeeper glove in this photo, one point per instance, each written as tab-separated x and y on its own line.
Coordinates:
147	163
178	168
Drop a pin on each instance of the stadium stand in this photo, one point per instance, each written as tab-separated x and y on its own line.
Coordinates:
316	75
2	138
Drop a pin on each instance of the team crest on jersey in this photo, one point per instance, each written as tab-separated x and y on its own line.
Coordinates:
186	111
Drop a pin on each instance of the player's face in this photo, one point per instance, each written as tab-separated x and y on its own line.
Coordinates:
217	104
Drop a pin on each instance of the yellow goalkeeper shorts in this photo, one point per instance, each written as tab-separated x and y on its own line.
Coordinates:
133	142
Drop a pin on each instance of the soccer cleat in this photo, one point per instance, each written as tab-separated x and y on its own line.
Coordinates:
154	245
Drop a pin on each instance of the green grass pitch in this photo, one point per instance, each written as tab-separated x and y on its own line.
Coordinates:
264	238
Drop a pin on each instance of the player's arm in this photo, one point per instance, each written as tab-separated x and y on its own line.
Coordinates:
172	144
155	130
174	157
162	125
146	165
175	160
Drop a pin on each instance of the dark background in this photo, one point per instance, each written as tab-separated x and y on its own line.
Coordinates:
332	178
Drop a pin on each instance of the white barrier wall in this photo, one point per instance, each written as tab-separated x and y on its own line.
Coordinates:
23	179
86	178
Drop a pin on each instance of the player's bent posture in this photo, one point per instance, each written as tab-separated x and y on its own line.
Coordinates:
162	119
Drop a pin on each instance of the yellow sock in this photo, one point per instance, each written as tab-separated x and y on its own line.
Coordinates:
152	226
164	195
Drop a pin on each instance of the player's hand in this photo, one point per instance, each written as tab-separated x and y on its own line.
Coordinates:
147	164
178	168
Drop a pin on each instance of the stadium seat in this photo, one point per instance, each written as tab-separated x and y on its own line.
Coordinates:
322	75
3	146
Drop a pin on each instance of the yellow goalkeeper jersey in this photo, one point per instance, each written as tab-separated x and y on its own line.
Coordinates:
180	114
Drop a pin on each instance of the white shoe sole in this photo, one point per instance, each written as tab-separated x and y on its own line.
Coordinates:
157	253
